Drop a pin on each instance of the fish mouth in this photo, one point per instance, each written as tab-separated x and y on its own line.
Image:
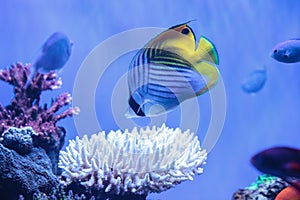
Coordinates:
252	161
256	161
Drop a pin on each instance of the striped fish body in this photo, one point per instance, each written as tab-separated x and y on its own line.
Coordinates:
164	73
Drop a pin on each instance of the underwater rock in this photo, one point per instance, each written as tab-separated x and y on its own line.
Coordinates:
266	187
23	175
59	193
25	109
131	163
19	140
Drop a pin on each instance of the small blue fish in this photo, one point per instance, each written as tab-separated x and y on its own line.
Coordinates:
287	51
170	69
255	81
54	54
283	162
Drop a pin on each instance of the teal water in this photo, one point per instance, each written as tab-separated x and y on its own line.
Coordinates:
244	33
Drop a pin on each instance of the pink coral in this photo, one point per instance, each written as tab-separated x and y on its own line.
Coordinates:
25	109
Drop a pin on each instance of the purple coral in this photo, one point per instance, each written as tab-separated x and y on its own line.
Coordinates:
25	109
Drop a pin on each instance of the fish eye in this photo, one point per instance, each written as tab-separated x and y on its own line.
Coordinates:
185	31
275	51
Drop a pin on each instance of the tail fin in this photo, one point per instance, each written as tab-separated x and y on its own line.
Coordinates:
207	51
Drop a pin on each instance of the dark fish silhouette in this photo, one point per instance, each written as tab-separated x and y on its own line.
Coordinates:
283	162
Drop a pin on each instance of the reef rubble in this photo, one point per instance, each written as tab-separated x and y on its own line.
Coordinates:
265	187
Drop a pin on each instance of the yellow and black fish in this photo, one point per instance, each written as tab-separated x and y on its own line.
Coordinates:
170	69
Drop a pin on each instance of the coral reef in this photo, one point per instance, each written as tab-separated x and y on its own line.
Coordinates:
120	165
24	174
131	163
25	110
266	187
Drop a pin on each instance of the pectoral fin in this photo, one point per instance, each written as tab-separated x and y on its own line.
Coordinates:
287	53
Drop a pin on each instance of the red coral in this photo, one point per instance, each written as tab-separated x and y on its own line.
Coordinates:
25	110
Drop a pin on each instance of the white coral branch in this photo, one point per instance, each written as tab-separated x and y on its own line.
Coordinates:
151	160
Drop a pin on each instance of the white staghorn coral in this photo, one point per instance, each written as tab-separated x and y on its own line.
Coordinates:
152	160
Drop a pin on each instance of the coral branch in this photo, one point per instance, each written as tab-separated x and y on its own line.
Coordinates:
25	110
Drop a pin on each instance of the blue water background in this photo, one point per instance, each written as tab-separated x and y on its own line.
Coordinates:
244	33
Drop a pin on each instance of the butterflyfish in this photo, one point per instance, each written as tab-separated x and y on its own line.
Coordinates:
169	69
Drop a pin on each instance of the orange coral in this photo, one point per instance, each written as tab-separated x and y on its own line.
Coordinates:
289	193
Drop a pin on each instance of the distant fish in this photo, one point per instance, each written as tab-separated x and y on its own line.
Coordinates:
54	54
283	162
255	81
287	51
170	69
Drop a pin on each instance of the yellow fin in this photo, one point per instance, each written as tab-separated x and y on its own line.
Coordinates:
207	51
210	71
